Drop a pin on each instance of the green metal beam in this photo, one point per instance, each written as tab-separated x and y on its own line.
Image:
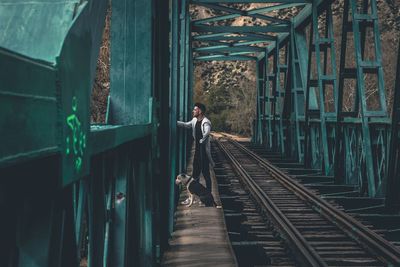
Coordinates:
318	47
103	138
224	37
130	33
248	13
183	58
227	48
298	74
241	29
226	54
237	44
249	43
261	35
174	83
230	54
239	13
240	53
259	134
268	105
223	58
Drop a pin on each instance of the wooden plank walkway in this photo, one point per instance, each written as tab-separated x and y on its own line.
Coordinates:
200	237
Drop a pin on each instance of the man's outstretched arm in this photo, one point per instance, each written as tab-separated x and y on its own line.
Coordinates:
184	124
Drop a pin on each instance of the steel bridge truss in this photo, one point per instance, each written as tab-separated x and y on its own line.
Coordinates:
301	90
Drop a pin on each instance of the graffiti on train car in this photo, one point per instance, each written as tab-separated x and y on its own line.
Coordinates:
76	140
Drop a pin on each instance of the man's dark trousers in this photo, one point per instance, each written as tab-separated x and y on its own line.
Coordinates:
201	165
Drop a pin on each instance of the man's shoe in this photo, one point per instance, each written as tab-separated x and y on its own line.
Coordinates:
186	201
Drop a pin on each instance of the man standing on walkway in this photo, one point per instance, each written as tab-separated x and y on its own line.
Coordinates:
201	128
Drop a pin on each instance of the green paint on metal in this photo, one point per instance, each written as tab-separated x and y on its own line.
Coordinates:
269	104
298	72
368	162
173	100
249	12
228	48
280	85
76	141
258	134
23	31
229	37
131	78
255	13
242	29
320	135
221	57
28	105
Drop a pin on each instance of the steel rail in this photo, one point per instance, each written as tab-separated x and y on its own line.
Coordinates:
375	244
309	257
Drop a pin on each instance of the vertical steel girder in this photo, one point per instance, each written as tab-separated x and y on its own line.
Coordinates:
184	79
162	94
265	104
318	107
181	65
271	98
180	86
298	72
279	90
183	68
260	84
361	20
173	107
268	112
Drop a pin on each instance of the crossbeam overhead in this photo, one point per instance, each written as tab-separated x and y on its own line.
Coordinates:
228	48
241	29
228	36
238	13
225	38
247	13
224	58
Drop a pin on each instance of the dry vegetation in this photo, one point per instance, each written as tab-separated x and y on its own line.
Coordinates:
101	86
229	96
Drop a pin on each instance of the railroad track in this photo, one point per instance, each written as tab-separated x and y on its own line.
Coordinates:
317	233
254	240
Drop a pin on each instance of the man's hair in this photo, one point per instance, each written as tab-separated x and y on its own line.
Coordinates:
201	106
